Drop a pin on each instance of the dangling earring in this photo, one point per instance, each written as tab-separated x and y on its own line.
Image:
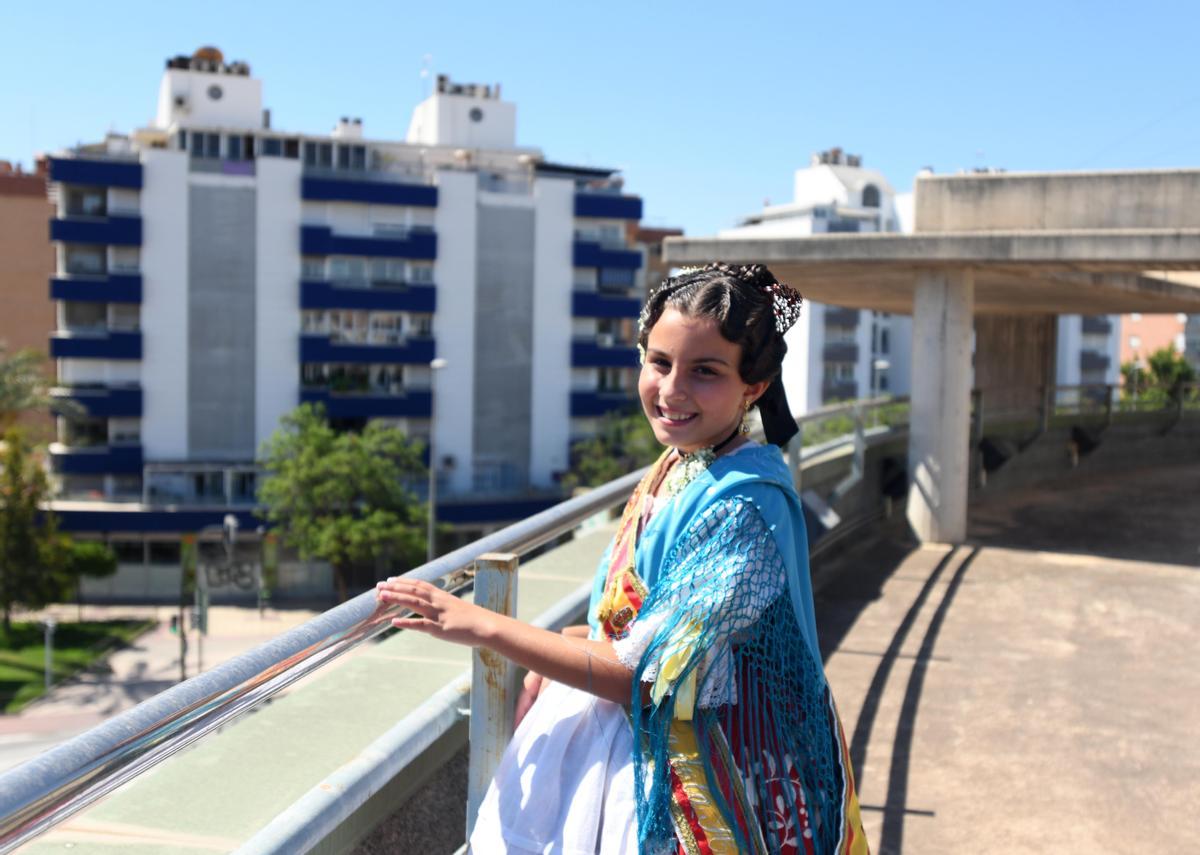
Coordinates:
745	413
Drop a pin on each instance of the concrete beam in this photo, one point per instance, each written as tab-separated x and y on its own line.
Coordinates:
939	425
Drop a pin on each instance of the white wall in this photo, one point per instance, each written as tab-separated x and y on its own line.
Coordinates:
800	372
240	104
446	120
164	304
1070	341
454	322
550	431
277	294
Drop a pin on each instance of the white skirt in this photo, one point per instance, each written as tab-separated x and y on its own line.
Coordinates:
565	783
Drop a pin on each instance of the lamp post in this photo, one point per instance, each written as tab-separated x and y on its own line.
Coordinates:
435	366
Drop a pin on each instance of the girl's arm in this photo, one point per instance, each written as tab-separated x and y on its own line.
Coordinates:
573	660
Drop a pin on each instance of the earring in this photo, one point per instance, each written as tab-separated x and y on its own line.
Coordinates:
746	412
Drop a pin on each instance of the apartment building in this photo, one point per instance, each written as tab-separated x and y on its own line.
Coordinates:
214	271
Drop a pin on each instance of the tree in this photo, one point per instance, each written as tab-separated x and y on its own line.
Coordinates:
624	443
1162	379
345	498
22	385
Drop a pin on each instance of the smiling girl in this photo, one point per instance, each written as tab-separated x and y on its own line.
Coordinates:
692	714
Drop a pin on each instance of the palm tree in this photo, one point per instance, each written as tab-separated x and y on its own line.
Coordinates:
22	384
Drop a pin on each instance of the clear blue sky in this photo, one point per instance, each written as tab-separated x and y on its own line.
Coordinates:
708	108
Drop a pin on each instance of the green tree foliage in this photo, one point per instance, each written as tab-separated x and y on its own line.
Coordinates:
1161	380
22	384
624	443
38	565
344	497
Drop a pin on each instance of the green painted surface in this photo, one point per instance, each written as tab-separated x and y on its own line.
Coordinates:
234	782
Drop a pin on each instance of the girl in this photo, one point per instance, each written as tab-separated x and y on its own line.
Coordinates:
692	714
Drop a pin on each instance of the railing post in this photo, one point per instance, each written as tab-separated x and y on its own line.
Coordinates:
493	681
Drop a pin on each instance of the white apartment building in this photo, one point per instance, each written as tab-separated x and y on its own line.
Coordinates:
836	353
214	272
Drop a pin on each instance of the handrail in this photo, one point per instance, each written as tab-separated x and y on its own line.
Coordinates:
57	784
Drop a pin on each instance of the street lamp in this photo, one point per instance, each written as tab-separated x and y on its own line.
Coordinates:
435	366
878	367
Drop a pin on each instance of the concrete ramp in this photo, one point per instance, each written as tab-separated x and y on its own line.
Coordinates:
1009	696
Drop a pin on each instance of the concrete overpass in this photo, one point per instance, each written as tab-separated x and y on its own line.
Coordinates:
1016	248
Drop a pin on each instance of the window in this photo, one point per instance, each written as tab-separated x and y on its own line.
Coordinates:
312	267
83	431
291	148
272	147
618	278
87	202
127	431
235	148
84	316
128	551
422	325
164	552
352	157
420	272
124	316
318	154
347	269
86	260
884	341
870	196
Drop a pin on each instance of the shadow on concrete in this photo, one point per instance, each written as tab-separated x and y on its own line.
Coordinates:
1145	513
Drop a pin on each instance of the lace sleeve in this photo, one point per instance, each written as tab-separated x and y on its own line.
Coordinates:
719	578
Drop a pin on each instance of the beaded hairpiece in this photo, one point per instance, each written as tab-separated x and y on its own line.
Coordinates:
785	300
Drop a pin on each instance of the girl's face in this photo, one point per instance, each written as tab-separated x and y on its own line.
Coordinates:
689	386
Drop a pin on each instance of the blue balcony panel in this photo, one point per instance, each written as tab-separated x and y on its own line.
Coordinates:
502	510
374	192
584	404
114	345
114	288
105	460
103	402
318	348
414	404
115	231
320	240
587	354
591	254
136	519
410	298
588	304
608	207
97	173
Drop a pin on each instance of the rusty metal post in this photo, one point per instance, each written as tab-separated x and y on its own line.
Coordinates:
493	681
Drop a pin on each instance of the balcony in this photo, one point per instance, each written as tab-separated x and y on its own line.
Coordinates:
589	304
320	348
320	240
599	403
99	460
595	254
396	297
840	351
101	345
365	190
608	206
1097	324
838	390
836	316
222	166
415	403
103	401
97	173
1093	360
588	353
113	231
110	288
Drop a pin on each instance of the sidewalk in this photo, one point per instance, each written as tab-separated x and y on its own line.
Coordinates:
147	667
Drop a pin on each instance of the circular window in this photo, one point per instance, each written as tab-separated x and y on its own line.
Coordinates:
215	92
476	114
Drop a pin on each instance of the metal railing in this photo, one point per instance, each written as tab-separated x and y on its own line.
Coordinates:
45	791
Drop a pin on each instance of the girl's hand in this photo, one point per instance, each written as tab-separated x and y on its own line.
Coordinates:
439	614
529	693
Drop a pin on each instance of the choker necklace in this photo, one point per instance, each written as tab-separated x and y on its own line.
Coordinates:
691	464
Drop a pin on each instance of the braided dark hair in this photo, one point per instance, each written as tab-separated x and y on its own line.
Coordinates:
740	299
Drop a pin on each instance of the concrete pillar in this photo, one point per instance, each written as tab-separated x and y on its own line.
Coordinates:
939	426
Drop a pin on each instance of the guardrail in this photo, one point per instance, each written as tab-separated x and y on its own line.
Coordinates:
46	790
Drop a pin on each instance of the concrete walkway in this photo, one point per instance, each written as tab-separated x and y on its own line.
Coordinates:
133	674
1035	690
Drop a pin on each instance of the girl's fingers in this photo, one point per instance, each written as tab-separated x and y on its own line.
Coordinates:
416	623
